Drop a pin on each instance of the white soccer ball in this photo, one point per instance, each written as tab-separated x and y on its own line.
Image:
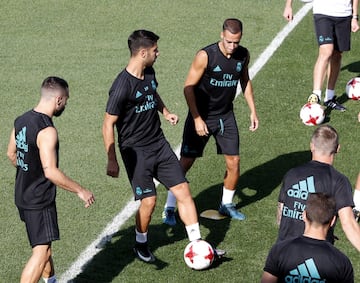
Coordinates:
312	114
199	255
353	88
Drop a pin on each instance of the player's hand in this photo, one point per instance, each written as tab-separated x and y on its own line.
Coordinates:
173	119
87	197
354	25
112	169
288	15
201	127
254	123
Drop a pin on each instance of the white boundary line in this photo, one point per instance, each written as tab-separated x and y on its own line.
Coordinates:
132	206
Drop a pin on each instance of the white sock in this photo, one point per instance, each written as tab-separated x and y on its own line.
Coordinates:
318	93
193	232
171	200
357	199
51	279
227	196
329	94
141	237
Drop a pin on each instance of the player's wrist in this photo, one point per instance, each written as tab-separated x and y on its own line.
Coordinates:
355	17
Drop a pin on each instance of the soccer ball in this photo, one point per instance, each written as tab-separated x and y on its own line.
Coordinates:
199	255
353	88
312	114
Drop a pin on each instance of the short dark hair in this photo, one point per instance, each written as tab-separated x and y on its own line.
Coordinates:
141	39
320	208
233	25
53	82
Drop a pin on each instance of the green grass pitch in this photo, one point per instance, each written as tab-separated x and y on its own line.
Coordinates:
86	43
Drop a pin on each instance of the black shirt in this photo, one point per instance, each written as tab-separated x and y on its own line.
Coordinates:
32	189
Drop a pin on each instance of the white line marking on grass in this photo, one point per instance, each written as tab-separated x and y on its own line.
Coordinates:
274	45
132	206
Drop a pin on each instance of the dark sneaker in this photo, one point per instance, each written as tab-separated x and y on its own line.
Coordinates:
333	104
356	214
143	253
230	210
219	253
313	98
168	216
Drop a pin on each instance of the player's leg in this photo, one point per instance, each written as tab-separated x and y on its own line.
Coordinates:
342	36
231	178
48	274
228	143
187	210
143	218
42	229
324	38
168	214
141	178
321	65
36	264
192	147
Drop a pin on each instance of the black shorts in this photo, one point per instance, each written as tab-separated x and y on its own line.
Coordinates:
41	225
333	30
158	161
223	128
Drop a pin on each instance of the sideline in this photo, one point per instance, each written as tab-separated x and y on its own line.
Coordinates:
132	206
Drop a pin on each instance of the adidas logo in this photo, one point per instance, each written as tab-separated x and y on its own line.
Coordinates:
217	69
305	273
302	189
138	94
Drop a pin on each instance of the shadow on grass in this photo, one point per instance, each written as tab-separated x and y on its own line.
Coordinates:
117	254
260	180
263	179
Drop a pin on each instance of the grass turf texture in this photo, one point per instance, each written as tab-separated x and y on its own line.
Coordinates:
85	42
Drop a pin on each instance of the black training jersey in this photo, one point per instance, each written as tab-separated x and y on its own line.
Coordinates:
216	90
135	102
32	189
310	177
305	259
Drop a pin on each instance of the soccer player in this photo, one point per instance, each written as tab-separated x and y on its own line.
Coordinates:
317	175
132	107
310	258
33	149
334	21
210	90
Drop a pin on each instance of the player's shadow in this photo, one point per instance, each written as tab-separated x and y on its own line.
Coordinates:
117	253
263	179
353	67
253	185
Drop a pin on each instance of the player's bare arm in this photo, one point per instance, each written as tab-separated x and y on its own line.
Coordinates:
170	117
196	71
268	278
46	141
109	143
355	18
11	150
279	213
248	91
350	226
288	14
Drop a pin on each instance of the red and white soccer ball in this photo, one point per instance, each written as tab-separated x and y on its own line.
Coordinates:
199	255
312	114
353	88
